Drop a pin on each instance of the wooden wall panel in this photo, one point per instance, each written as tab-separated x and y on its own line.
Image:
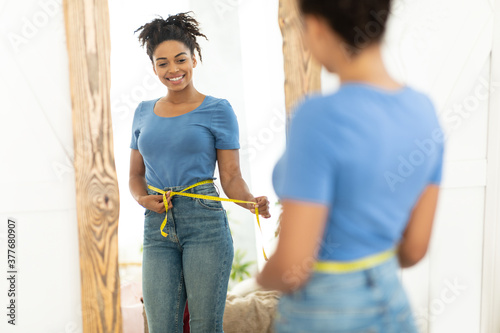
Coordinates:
490	306
97	199
302	72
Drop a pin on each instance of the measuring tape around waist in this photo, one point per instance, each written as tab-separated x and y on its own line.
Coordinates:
200	196
355	265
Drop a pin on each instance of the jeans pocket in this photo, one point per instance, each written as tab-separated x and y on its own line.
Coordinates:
227	226
148	212
209	204
300	314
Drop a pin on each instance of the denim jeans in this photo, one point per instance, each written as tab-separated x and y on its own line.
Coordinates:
371	300
193	262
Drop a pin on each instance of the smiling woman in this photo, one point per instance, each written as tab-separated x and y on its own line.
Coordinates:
176	141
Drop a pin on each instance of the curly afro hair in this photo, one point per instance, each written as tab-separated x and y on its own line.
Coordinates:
180	27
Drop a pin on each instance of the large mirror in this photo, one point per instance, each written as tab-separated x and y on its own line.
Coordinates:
243	63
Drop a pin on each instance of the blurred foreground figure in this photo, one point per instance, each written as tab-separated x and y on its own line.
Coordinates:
359	183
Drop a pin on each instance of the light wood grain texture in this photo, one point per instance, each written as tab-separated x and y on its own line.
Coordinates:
302	72
88	42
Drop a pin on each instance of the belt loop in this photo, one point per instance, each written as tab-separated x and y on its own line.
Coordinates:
370	279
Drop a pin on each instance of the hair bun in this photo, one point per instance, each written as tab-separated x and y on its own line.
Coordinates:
181	20
182	27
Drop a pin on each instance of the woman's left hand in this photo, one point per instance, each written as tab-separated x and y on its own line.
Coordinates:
263	205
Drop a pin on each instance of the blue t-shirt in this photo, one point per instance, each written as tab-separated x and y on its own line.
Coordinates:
367	153
181	150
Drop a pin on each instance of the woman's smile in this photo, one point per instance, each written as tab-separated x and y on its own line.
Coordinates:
176	79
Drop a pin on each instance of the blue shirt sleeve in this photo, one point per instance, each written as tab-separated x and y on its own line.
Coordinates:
437	173
224	126
136	130
308	163
438	137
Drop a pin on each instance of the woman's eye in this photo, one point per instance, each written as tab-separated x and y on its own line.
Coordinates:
182	60
161	65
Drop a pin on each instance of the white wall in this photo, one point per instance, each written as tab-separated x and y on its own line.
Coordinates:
132	81
233	68
262	56
36	173
444	48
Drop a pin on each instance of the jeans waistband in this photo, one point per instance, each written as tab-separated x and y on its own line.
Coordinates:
182	187
337	267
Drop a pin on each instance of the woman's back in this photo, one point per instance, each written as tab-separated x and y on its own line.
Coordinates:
378	150
361	169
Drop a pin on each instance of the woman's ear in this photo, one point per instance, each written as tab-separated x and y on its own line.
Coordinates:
312	27
195	62
314	35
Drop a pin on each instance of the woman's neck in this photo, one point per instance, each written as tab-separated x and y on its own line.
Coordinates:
368	67
186	95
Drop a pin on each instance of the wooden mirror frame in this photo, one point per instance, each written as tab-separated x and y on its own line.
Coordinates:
97	196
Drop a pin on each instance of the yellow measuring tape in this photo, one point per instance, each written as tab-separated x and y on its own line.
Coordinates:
355	265
200	196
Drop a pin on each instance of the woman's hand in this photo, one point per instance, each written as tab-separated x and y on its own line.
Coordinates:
233	184
155	202
263	204
290	266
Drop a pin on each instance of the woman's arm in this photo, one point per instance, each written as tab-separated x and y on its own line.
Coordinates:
137	185
302	227
233	184
415	241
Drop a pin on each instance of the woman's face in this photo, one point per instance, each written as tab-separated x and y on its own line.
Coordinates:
173	63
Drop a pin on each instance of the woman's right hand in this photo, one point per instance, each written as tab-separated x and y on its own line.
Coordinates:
155	202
